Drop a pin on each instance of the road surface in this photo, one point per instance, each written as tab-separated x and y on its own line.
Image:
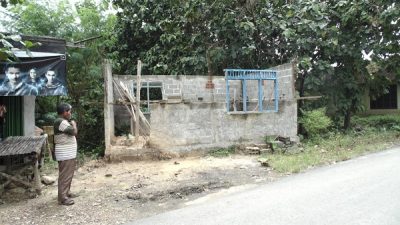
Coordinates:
364	191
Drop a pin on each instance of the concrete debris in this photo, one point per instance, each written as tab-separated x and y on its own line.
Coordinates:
282	145
252	150
265	151
264	162
134	196
262	146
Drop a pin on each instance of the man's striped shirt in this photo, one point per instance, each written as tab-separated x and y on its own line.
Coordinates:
64	140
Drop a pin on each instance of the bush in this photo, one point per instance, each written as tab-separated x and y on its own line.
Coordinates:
46	119
315	122
223	152
389	122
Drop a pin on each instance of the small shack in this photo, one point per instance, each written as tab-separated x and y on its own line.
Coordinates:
40	71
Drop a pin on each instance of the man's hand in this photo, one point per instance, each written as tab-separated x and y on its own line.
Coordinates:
73	123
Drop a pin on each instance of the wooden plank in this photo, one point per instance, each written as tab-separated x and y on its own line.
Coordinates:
128	100
9	177
36	173
138	87
309	98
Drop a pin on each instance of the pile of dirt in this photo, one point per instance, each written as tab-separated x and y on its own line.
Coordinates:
121	192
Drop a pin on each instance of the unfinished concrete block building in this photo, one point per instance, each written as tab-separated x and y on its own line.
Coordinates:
189	113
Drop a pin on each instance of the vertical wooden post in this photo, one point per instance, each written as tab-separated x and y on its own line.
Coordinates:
138	87
108	105
37	175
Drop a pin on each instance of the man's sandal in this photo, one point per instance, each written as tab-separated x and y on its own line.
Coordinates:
67	201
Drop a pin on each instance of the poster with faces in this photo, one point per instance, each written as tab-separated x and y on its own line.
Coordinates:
39	74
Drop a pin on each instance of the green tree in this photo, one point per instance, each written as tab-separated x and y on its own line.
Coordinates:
6	46
326	37
370	26
198	37
91	24
5	3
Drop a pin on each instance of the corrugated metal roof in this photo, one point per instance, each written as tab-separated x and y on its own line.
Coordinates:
21	145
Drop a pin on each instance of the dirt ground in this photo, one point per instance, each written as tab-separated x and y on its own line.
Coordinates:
121	192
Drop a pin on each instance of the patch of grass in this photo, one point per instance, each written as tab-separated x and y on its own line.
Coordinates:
337	147
49	166
222	152
83	158
387	121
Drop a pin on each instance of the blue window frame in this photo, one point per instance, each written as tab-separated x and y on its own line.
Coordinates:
245	75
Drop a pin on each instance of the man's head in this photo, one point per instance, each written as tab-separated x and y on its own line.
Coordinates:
32	73
64	110
13	74
51	76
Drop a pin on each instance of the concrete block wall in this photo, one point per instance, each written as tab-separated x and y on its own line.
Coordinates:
201	120
192	126
189	88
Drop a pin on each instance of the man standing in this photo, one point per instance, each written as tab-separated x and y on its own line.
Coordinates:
65	131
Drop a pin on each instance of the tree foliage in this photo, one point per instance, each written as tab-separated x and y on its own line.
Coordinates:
196	36
84	75
5	3
328	39
315	122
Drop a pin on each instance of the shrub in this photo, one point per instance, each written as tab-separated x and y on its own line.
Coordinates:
222	152
389	122
315	122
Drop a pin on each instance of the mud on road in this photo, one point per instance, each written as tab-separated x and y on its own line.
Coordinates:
121	192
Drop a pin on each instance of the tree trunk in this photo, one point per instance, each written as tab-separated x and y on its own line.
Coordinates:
300	128
302	79
347	118
348	114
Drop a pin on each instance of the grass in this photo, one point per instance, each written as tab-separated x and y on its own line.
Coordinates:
335	148
51	165
222	152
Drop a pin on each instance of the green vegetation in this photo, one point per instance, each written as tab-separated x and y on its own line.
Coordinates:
222	152
379	122
207	36
315	122
84	79
377	133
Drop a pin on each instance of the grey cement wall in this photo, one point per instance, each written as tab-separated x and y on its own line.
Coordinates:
200	120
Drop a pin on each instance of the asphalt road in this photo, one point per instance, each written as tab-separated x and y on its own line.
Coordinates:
363	191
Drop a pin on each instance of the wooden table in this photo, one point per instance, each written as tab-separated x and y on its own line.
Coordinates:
30	147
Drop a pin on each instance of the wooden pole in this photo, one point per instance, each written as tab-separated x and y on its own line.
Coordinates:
8	177
108	105
36	173
138	87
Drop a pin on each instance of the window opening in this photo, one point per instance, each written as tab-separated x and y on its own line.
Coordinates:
266	100
149	91
386	101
